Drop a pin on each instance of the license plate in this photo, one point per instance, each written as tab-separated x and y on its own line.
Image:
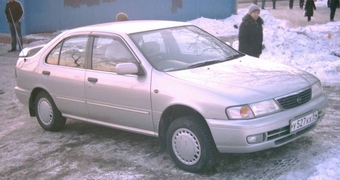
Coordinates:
303	121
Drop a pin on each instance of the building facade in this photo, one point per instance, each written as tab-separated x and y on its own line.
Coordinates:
54	15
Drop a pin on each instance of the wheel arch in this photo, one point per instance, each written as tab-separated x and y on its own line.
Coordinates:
172	113
33	96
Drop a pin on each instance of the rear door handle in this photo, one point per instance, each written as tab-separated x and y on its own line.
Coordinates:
46	73
94	80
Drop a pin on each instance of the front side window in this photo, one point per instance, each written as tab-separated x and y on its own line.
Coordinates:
108	52
70	52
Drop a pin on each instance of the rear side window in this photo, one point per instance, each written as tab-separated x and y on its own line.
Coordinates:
53	57
70	52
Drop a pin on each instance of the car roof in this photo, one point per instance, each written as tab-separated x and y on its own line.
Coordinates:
129	27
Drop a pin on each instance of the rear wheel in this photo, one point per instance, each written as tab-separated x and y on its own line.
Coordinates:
191	145
48	115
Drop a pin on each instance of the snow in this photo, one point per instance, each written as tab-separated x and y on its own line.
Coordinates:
309	48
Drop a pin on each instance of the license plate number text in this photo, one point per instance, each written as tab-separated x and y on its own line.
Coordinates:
303	121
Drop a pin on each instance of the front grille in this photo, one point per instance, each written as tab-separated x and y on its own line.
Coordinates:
294	135
277	133
295	100
282	135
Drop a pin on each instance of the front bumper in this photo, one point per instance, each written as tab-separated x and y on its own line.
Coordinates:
230	136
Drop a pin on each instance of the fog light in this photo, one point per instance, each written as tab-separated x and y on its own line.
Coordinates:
253	139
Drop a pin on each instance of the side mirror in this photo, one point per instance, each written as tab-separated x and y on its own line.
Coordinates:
128	68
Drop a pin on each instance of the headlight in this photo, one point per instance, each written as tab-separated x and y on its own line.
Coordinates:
316	89
253	110
264	107
240	112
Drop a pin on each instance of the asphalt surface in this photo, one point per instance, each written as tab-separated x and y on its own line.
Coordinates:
86	151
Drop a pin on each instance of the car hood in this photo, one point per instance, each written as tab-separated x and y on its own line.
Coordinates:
248	79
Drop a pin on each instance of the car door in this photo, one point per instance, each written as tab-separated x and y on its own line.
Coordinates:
122	101
64	72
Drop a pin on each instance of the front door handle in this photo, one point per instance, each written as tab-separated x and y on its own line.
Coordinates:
94	80
46	73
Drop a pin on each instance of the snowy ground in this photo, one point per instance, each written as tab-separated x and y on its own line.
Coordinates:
86	151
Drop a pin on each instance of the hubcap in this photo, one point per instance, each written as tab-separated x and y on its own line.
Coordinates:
186	146
45	111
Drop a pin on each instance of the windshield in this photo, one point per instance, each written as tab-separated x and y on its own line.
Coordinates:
182	48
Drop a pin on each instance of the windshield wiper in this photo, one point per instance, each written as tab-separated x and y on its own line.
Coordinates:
234	57
204	63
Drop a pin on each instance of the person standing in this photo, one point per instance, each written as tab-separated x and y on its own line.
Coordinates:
14	15
263	4
274	4
333	4
122	17
291	2
251	32
309	9
302	3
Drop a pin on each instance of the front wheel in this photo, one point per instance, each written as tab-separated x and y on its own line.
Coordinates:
48	115
191	145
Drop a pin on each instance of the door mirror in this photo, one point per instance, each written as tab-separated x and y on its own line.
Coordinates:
128	68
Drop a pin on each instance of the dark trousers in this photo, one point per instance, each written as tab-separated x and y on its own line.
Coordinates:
14	35
333	9
302	2
263	2
291	2
274	4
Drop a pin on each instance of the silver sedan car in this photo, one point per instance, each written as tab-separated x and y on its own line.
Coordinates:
170	80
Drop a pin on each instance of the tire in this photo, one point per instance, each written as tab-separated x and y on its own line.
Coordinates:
48	115
199	153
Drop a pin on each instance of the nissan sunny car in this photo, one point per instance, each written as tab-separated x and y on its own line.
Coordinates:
170	80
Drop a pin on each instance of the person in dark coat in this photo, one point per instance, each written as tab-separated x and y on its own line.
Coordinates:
14	15
274	4
291	3
263	4
309	9
333	4
251	32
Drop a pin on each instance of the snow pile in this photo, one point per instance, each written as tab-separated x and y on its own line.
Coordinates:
310	48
